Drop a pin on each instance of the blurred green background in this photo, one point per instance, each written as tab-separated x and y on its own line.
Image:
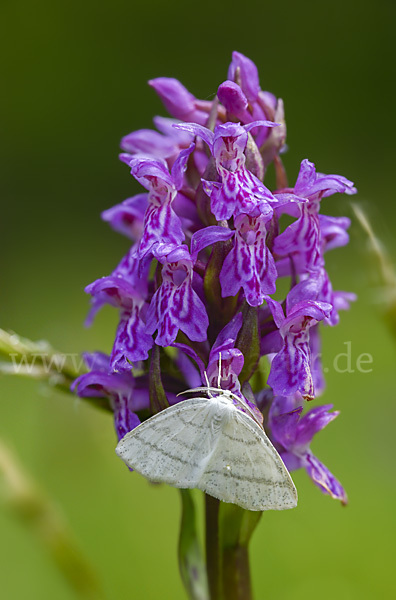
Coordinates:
74	81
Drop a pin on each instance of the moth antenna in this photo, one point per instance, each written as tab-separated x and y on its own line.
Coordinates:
219	373
208	384
206	389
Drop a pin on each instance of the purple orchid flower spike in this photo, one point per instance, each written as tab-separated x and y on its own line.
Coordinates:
249	264
291	366
239	190
295	433
207	163
161	223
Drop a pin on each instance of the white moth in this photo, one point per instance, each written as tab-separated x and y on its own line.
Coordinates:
208	443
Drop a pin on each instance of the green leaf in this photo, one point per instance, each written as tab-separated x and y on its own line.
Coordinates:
191	563
248	342
158	399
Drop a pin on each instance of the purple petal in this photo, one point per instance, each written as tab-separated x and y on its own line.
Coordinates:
175	305
310	183
269	102
290	370
197	130
177	99
180	167
127	217
260	123
334	231
166	126
151	173
316	360
238	193
309	288
304	315
249	264
271	343
325	480
112	290
228	335
208	236
101	384
292	462
284	428
97	361
284	199
149	142
190	373
306	178
276	310
281	405
128	280
302	238
312	422
342	300
192	354
248	75
132	343
231	365
125	158
124	419
161	225
233	99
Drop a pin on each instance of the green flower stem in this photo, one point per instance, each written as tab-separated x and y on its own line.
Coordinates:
236	528
213	567
228	531
158	400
